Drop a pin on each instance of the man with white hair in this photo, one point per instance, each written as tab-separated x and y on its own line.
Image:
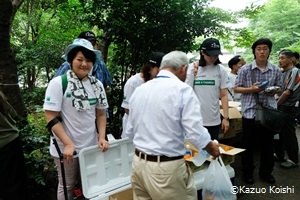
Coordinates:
163	112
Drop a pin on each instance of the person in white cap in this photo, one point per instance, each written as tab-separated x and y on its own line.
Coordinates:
83	102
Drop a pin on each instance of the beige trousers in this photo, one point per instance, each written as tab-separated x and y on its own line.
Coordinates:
171	180
72	176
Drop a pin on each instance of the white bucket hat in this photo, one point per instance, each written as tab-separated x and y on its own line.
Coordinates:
82	43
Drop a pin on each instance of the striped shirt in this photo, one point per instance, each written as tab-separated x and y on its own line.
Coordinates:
291	81
271	73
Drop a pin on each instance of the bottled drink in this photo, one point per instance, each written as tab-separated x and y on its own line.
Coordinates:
188	150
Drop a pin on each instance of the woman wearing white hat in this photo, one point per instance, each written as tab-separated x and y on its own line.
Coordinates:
79	105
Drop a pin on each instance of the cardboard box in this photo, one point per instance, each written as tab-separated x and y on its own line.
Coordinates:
228	155
231	104
124	195
193	167
190	160
235	123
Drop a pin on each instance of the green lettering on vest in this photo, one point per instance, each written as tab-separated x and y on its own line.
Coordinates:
204	82
93	101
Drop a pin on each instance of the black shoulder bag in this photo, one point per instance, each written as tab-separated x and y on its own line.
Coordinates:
267	116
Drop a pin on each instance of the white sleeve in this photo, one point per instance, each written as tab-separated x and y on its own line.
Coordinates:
128	90
225	81
192	120
54	95
190	75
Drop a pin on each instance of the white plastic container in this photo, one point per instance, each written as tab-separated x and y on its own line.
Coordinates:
104	174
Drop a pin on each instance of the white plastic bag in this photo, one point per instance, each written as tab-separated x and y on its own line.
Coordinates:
217	184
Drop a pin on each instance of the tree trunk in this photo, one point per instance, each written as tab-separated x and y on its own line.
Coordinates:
103	46
8	66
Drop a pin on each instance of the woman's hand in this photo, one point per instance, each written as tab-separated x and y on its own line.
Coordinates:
103	144
196	66
69	152
225	125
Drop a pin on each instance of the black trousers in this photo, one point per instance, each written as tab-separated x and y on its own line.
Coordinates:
287	137
257	138
13	179
214	131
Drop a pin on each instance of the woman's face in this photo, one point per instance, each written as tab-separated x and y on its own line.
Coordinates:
210	59
81	66
153	72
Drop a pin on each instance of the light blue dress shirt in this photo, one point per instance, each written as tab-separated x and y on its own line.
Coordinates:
163	112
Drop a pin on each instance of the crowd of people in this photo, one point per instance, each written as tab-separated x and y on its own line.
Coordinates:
169	101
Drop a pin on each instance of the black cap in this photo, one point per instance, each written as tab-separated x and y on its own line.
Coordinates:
88	35
211	46
233	61
155	58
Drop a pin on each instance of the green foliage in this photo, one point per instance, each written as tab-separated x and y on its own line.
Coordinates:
132	29
115	98
139	27
33	100
39	164
41	31
278	21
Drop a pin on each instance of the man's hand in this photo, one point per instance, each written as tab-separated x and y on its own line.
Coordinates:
257	89
213	148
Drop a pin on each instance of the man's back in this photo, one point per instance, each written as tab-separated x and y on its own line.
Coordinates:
161	111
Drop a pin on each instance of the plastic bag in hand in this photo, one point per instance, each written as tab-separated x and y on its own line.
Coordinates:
217	184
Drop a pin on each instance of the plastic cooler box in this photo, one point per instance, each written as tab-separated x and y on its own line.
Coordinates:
105	174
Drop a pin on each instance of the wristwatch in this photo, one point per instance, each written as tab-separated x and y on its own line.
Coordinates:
227	118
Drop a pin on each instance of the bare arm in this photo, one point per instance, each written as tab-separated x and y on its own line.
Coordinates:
253	88
224	101
60	132
101	125
283	97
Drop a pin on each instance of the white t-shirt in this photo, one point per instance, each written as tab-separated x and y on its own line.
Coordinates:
79	125
236	96
207	84
131	84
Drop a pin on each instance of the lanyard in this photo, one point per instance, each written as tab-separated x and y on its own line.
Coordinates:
161	76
